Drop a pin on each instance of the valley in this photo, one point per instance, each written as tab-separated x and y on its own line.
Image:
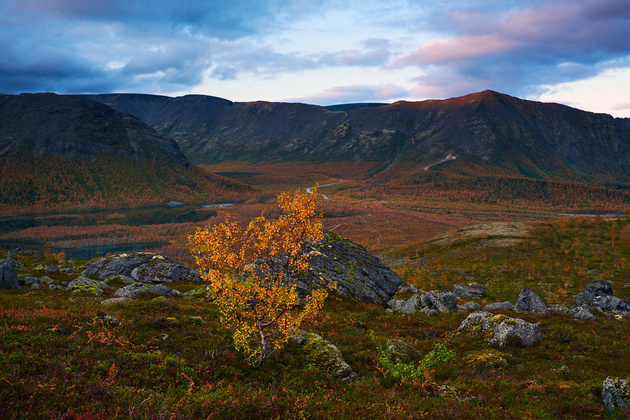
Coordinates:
484	190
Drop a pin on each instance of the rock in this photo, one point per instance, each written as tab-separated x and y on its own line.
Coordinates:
470	307
8	275
616	394
164	272
559	308
68	270
408	288
529	301
358	273
402	351
442	301
599	288
27	279
136	289
429	312
497	329
324	355
201	292
502	306
113	301
470	290
582	312
84	284
35	286
49	268
408	306
599	296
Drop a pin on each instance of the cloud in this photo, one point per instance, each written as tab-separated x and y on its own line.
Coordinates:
621	107
355	93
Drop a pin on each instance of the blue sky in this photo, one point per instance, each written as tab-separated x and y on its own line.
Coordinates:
575	52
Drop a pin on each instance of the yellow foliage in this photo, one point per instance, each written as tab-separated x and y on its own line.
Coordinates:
257	303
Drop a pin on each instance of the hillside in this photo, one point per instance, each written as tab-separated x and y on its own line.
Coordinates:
488	132
72	152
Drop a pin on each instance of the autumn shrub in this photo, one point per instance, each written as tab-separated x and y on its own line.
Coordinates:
252	271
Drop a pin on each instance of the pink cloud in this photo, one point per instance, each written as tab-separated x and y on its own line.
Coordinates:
621	107
357	93
443	51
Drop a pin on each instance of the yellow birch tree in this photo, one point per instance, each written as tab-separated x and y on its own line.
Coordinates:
253	269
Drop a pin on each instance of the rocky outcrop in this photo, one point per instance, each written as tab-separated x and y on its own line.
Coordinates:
529	301
501	306
358	273
8	275
499	329
323	354
599	296
142	267
616	394
84	284
402	351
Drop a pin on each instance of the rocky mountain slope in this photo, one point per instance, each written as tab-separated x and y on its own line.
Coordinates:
486	132
70	149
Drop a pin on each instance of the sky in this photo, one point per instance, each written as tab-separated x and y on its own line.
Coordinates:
575	52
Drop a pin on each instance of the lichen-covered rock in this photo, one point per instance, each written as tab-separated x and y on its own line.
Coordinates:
121	278
8	275
599	296
86	284
616	394
49	268
501	306
119	264
324	355
470	290
403	351
434	301
487	357
201	292
529	301
358	273
442	301
498	329
137	289
406	306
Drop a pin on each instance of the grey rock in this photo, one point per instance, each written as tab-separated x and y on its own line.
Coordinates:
163	272
582	312
470	290
68	270
119	264
502	306
136	289
429	312
408	306
529	301
49	268
470	307
497	329
600	288
113	301
121	277
599	296
84	284
408	288
324	355
35	286
201	292
8	275
29	280
107	321
559	308
442	301
616	394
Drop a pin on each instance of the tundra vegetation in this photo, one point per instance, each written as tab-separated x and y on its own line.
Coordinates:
64	355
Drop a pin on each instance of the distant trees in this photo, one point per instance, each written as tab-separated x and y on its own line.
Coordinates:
252	270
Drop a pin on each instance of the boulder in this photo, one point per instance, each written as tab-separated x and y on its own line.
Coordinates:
358	273
119	264
498	329
137	289
84	284
529	301
113	301
442	301
501	306
8	275
470	290
470	307
157	271
324	355
433	301
49	268
408	306
599	294
616	394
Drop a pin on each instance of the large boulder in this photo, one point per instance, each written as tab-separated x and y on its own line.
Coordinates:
358	273
84	284
529	301
143	267
8	275
616	394
324	355
498	329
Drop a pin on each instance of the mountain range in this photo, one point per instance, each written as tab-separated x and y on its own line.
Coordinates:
487	133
